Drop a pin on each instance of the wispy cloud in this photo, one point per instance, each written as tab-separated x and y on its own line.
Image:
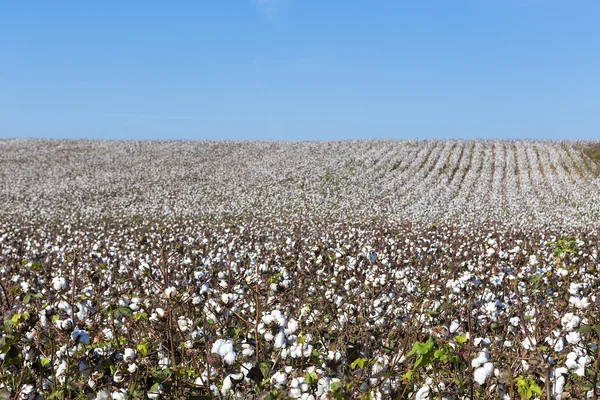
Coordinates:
271	9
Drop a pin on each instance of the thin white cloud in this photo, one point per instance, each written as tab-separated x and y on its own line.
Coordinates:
271	9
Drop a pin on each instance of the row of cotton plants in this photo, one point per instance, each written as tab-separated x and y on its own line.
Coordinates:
533	182
297	308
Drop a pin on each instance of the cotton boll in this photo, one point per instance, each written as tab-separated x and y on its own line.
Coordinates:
120	394
573	337
292	326
454	326
279	340
279	380
481	359
103	394
59	283
128	354
423	393
80	336
229	358
482	373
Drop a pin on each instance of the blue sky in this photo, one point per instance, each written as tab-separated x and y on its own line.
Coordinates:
300	69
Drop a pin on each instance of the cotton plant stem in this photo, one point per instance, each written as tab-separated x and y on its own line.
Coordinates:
257	301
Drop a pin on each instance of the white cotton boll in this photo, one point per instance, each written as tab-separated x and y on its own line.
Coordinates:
183	323
59	283
481	359
574	288
454	326
268	319
80	336
205	288
225	348
583	361
559	385
164	362
515	321
279	340
120	394
482	373
128	354
292	326
423	393
573	337
571	361
217	345
229	358
269	336
529	343
103	394
304	387
160	312
279	380
295	393
248	350
170	292
131	368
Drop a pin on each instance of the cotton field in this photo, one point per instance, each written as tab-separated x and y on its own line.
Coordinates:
523	182
349	270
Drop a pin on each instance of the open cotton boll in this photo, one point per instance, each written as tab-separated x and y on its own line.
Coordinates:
170	292
120	394
59	283
128	354
481	359
482	373
80	336
292	326
280	340
103	394
279	379
424	393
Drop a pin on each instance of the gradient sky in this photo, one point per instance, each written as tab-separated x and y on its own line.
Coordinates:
300	69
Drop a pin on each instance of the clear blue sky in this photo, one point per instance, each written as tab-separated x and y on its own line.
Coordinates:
300	69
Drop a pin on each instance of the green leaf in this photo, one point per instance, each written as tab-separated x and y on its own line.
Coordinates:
56	395
45	361
462	339
335	386
585	329
124	311
359	362
141	316
143	349
26	298
419	361
265	368
16	318
154	388
311	378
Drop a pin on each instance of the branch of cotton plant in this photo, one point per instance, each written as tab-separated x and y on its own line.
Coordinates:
165	271
73	284
257	318
8	305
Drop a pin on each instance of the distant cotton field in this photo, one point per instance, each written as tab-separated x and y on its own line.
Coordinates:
350	270
524	182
